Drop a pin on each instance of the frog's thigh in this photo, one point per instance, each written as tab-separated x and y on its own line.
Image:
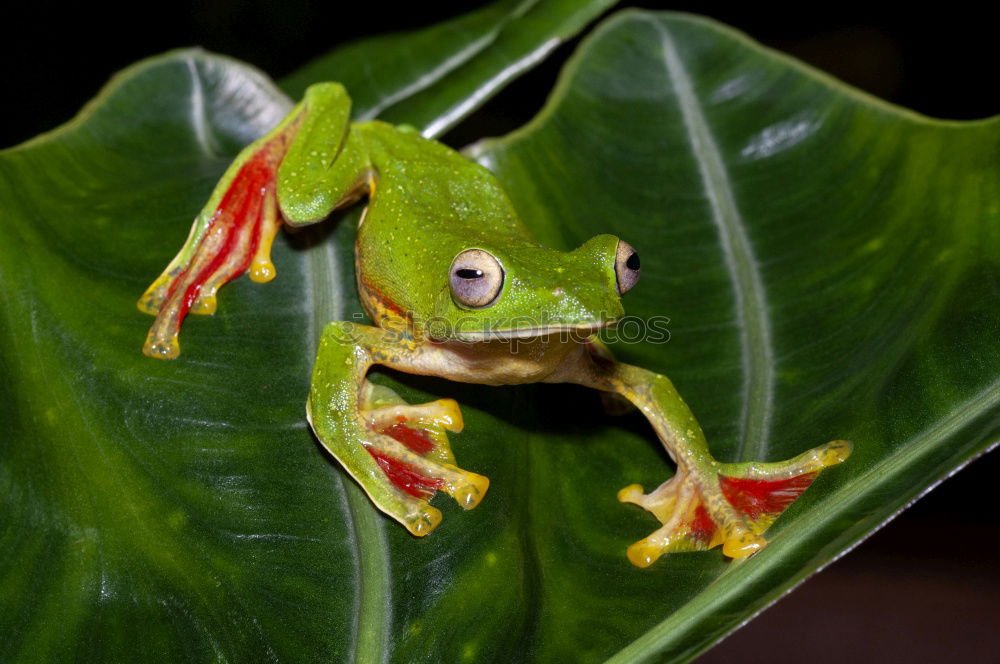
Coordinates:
345	412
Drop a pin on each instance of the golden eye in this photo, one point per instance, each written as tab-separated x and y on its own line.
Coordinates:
476	278
626	267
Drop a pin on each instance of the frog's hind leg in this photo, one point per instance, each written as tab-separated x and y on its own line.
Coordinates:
730	504
272	180
232	235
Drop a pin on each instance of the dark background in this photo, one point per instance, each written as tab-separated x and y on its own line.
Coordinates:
924	589
940	61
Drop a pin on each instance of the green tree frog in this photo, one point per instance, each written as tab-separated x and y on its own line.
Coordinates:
450	276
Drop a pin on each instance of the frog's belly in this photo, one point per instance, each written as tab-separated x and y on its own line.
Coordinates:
494	362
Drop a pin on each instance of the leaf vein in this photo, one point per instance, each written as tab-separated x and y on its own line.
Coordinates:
756	346
447	66
199	119
367	533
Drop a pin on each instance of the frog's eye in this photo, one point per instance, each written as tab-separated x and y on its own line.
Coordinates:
476	278
626	267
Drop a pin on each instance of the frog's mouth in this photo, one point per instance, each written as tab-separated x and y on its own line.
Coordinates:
563	333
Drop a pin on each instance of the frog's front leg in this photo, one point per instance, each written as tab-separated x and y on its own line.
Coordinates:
707	502
398	453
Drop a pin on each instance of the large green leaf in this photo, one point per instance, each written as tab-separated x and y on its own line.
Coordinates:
830	267
828	263
185	509
436	76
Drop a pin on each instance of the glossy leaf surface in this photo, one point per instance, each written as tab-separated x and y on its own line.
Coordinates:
434	77
828	265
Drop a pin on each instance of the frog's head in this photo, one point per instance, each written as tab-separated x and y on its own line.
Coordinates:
527	290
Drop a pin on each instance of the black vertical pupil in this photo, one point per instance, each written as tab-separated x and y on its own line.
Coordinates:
469	273
633	262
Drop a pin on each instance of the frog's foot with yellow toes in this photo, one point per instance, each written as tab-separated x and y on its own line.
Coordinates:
707	503
725	503
233	234
409	444
397	452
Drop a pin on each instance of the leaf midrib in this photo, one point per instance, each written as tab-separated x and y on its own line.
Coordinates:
756	346
439	124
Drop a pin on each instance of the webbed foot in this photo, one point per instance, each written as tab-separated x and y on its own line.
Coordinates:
233	234
411	448
730	504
